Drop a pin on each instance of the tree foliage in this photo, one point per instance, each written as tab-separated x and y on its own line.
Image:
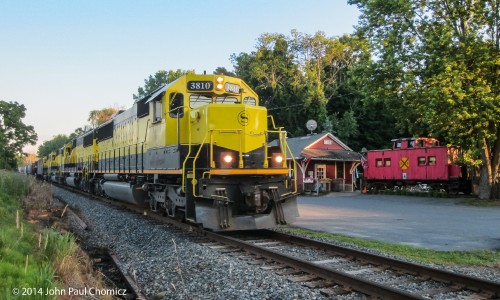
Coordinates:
14	134
158	79
223	71
98	117
301	77
437	66
53	144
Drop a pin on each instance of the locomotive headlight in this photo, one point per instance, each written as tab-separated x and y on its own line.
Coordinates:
276	160
228	158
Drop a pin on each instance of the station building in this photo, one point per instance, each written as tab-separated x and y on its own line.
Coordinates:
324	162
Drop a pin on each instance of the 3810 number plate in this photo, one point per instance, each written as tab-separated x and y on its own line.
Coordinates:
200	85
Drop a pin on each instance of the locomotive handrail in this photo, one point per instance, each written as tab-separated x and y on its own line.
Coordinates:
294	170
274	125
194	181
183	188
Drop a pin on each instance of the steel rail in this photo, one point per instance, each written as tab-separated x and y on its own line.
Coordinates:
339	277
471	283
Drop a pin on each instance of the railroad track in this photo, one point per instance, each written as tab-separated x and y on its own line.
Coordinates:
339	270
333	269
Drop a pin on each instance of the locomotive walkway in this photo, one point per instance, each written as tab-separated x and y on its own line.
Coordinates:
435	223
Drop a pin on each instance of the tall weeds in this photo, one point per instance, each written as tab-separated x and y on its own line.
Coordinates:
21	264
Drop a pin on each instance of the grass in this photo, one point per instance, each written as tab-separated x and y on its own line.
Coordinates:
465	258
480	203
31	257
20	261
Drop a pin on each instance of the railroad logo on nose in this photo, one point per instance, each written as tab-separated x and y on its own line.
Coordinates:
243	118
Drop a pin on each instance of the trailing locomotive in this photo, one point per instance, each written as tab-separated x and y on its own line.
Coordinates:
414	161
196	148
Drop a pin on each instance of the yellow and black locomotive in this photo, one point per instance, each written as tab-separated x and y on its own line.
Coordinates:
197	148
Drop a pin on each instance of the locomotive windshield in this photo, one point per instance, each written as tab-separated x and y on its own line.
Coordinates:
197	100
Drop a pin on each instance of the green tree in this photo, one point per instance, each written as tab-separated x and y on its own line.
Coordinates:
98	117
346	127
53	144
272	73
223	71
437	68
158	79
301	77
14	134
79	132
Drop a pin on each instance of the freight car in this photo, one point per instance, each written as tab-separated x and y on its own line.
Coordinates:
196	148
416	162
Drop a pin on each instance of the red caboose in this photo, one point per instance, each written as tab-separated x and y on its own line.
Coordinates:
413	161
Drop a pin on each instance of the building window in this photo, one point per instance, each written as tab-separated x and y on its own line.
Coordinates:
387	162
421	161
320	171
378	162
340	169
327	142
432	160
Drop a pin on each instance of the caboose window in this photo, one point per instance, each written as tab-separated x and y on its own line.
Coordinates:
378	162
176	105
387	162
398	145
432	160
421	161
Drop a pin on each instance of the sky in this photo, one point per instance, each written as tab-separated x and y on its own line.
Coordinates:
62	59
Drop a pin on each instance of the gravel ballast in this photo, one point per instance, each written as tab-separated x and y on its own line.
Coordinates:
168	265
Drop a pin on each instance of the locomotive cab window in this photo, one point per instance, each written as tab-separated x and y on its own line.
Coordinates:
176	105
197	100
421	161
250	101
226	100
157	107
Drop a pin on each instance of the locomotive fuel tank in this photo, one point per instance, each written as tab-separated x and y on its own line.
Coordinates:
73	181
125	192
